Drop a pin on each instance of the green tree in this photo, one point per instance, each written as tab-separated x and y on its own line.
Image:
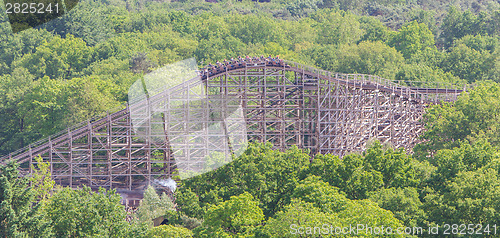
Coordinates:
13	91
45	102
188	202
369	213
19	216
374	58
347	174
359	174
337	27
209	232
59	58
404	203
88	21
219	49
470	64
55	105
169	231
297	215
300	218
458	24
269	175
479	43
297	32
239	215
474	115
374	29
430	57
300	8
412	38
470	197
325	57
83	213
467	157
14	46
321	194
252	29
421	75
425	16
41	179
153	206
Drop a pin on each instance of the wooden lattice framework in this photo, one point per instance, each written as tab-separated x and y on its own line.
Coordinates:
285	104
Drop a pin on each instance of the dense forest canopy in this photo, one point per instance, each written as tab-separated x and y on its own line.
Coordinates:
81	65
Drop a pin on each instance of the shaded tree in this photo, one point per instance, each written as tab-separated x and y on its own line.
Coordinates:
471	64
41	180
153	206
268	175
458	24
404	203
188	202
141	64
19	216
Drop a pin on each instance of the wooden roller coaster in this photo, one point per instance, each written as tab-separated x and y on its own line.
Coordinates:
284	103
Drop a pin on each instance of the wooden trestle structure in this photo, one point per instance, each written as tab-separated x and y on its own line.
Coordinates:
285	104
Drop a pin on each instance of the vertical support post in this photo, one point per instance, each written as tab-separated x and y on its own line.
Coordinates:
318	113
50	157
263	105
90	153
148	138
70	153
110	151
31	159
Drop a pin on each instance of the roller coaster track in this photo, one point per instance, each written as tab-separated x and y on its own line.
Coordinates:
285	104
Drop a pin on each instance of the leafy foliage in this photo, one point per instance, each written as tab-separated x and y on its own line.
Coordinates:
458	24
153	206
297	212
268	175
471	196
82	213
169	231
238	215
473	116
189	202
404	203
357	175
412	38
18	216
40	179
